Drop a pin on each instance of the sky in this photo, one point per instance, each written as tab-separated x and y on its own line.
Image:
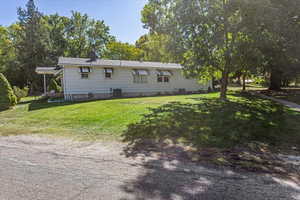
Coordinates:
122	16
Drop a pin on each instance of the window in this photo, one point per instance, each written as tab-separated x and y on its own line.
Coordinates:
84	75
84	72
163	76
108	72
140	79
85	69
159	79
166	79
140	76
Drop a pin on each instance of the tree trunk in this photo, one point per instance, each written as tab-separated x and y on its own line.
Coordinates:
244	82
275	80
224	84
239	79
213	83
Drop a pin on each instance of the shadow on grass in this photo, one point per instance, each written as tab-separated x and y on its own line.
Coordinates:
43	104
170	175
211	123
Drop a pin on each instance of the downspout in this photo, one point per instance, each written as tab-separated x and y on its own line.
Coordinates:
64	84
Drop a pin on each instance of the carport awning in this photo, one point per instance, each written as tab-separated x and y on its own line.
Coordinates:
48	70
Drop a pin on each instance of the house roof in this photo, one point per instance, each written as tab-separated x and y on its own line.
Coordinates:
115	63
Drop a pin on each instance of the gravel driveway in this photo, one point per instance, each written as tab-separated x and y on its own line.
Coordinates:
33	167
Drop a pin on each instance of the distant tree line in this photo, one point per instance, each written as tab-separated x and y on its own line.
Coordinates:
38	40
212	39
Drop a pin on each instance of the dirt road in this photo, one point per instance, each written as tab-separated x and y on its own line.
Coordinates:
33	167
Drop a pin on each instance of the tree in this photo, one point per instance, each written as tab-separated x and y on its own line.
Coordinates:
57	30
33	46
6	49
122	51
7	97
85	35
155	47
247	58
53	85
275	28
204	32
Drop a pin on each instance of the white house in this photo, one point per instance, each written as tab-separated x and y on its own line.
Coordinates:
99	79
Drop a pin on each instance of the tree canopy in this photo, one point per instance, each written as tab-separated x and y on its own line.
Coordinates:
220	36
38	40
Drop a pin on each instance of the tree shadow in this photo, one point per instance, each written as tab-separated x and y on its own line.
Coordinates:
176	179
43	104
211	123
169	174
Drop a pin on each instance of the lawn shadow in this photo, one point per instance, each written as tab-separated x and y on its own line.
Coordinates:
43	104
211	123
169	174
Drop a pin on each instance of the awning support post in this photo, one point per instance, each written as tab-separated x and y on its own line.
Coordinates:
45	85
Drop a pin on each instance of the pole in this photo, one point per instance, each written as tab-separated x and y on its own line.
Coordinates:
45	85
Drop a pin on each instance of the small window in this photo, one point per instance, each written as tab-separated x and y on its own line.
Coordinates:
84	75
140	79
108	73
159	79
166	79
140	76
85	70
163	79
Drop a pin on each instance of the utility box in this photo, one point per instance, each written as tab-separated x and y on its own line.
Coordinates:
117	93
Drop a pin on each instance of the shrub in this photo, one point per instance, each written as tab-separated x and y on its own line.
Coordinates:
20	93
54	86
7	96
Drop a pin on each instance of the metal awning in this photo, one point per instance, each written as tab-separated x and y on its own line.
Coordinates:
48	70
108	70
140	72
164	73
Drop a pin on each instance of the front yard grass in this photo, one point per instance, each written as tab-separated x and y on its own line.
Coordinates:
103	119
199	119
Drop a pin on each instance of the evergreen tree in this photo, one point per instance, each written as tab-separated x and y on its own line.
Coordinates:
54	86
32	48
7	97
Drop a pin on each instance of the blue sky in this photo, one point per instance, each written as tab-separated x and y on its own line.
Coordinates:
123	16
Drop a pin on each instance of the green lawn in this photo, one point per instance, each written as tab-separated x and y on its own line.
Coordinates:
196	119
86	120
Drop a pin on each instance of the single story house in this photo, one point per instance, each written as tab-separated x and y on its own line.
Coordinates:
83	78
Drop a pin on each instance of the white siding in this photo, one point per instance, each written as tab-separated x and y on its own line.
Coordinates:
122	78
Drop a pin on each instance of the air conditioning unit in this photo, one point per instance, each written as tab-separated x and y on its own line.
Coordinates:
117	93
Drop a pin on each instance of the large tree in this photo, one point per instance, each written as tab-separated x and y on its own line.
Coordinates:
6	49
33	44
85	35
204	32
155	47
122	51
274	25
